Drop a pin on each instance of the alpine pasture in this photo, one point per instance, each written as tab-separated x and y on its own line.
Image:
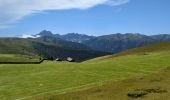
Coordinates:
43	81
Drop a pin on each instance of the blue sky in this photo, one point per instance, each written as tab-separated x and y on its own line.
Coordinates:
119	16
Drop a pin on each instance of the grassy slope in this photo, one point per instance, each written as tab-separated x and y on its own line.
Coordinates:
16	46
158	47
18	58
50	78
119	90
17	50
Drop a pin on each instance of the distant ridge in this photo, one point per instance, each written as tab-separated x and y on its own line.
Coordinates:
112	43
115	43
72	37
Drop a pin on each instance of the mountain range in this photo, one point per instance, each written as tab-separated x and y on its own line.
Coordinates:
78	46
115	43
47	47
73	37
112	43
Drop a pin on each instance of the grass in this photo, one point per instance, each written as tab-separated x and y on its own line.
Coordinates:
17	58
16	46
51	78
104	78
155	86
157	47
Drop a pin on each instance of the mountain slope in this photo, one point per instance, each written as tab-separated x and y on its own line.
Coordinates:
157	47
75	37
47	48
145	50
16	46
71	37
119	42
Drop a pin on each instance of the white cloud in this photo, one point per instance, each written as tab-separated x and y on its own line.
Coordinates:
28	36
12	10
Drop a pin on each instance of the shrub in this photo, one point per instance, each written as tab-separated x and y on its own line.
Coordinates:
137	93
142	92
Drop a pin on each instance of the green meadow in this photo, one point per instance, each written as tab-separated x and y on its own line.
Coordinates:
20	82
18	58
